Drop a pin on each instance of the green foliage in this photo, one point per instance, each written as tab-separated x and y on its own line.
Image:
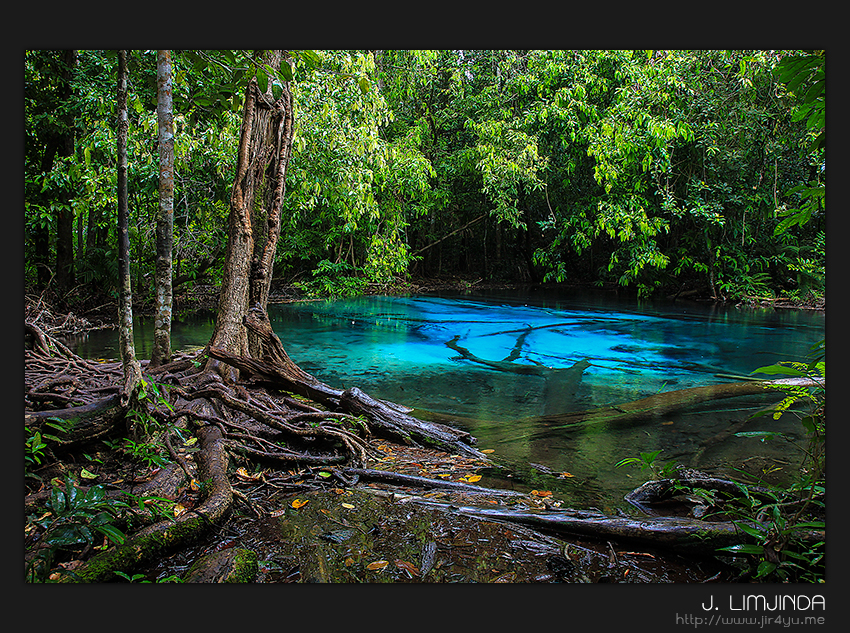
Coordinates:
333	280
780	552
646	461
74	518
35	443
647	169
77	518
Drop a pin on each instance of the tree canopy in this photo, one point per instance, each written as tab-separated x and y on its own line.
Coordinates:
653	170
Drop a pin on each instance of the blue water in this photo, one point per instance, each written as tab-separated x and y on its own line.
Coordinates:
395	348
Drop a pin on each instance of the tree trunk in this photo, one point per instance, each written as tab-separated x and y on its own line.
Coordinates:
165	222
132	369
65	215
255	207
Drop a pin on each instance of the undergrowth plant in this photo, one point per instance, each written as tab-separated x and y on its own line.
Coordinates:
77	518
784	531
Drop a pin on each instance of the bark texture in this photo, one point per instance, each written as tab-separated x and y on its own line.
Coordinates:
255	206
165	220
132	370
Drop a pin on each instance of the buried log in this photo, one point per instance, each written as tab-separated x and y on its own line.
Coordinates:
386	418
654	406
154	541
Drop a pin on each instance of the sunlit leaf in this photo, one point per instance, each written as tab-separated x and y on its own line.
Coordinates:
298	503
324	474
541	493
85	474
565	474
471	478
178	509
488	451
348	506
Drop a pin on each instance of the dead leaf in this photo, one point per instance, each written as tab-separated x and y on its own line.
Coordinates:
298	503
348	506
488	451
408	567
563	475
377	565
541	493
179	509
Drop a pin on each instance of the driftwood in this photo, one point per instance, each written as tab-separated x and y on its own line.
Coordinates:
686	535
384	417
401	479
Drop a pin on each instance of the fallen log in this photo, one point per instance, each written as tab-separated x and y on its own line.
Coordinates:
654	406
81	424
401	479
684	535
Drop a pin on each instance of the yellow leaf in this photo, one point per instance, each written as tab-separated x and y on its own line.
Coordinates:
488	451
566	475
378	564
87	475
472	478
541	493
297	503
178	510
348	505
194	485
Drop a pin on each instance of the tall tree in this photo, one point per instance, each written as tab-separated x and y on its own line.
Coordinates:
165	220
255	205
132	369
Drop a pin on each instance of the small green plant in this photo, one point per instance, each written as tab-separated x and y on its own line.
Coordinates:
148	453
646	461
35	446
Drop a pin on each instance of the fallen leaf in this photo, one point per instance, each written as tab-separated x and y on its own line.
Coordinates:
566	475
378	564
277	513
666	423
541	493
470	478
488	451
297	503
408	567
179	509
87	475
348	505
324	474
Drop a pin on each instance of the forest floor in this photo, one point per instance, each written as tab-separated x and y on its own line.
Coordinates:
305	526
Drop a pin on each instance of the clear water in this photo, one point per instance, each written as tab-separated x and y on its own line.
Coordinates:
395	348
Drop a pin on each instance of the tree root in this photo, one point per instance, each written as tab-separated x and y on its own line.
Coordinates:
165	536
